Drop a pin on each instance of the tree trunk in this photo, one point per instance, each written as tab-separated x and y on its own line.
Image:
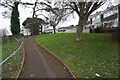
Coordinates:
54	29
32	30
41	29
79	33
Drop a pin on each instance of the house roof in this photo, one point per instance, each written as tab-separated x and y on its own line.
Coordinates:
34	20
102	12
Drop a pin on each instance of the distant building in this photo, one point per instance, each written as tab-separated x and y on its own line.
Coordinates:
70	29
33	26
49	31
106	18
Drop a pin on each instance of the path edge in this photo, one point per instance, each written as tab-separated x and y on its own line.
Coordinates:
56	58
23	61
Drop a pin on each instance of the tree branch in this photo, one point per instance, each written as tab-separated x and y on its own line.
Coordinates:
9	4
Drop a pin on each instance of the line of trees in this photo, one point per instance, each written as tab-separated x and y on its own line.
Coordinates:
13	14
55	14
59	11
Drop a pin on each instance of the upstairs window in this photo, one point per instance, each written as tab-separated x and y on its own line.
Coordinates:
110	12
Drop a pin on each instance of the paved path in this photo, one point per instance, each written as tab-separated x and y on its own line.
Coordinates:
39	63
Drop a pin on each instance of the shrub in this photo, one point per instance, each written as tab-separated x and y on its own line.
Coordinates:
104	30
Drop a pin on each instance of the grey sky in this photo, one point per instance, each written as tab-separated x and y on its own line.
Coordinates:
24	13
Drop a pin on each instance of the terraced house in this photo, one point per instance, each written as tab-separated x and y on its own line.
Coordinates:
106	18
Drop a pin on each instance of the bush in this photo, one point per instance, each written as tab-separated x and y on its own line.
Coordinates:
104	30
115	35
6	39
99	30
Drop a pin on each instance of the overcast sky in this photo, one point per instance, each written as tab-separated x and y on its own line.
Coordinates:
27	12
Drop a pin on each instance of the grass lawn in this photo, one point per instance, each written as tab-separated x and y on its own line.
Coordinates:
94	55
9	68
9	48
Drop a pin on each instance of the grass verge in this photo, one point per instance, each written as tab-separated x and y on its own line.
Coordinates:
9	68
92	57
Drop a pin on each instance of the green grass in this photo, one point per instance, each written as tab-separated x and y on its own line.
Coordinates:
9	48
93	55
9	68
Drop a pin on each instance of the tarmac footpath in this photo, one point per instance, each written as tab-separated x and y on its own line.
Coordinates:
39	63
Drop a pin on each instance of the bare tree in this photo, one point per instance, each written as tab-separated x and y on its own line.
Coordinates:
9	4
58	10
34	8
83	9
12	5
56	13
55	18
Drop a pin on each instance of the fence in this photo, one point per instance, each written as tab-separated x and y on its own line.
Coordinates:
16	59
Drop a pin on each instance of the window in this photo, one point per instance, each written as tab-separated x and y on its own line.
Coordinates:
98	17
110	12
105	14
93	19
